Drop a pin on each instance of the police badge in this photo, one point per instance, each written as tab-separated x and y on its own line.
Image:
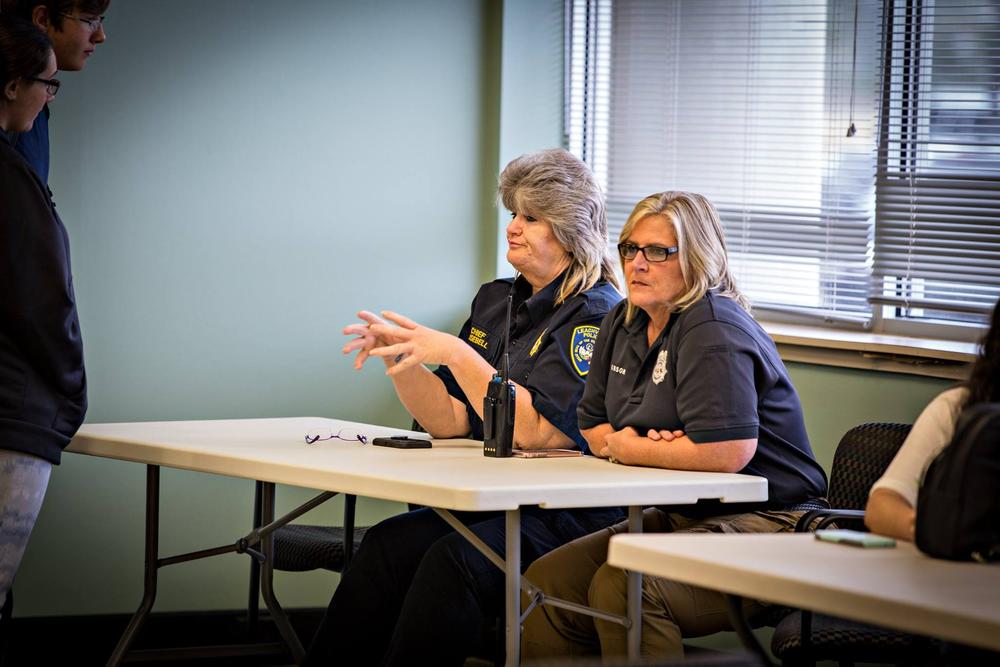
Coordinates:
581	347
660	369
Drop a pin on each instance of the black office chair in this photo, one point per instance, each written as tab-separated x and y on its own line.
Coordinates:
301	548
803	637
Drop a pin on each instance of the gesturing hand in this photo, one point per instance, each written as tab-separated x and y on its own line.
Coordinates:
416	343
367	339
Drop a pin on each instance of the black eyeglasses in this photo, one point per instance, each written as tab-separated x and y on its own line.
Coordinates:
652	253
51	85
94	23
349	436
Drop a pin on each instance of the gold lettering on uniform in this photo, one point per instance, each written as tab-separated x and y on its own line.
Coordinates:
538	341
478	337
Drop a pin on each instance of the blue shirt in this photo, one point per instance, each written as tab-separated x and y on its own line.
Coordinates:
34	145
550	346
714	373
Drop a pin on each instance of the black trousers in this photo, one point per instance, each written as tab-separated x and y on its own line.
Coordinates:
418	591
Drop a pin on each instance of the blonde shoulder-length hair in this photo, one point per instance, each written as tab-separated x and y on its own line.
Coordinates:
555	186
701	246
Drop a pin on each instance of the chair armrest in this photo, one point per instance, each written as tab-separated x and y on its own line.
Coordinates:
825	517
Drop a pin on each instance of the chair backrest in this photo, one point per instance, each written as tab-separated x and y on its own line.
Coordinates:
861	457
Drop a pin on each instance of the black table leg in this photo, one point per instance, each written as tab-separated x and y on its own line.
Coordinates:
267	577
734	604
253	602
152	549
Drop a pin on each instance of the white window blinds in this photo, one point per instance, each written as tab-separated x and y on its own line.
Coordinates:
750	103
937	251
588	40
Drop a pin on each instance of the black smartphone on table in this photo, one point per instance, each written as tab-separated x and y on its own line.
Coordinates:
402	442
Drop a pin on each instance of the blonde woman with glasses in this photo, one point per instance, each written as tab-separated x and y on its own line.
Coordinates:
682	377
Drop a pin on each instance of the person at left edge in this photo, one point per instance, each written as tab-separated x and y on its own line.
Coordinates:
416	587
75	28
43	387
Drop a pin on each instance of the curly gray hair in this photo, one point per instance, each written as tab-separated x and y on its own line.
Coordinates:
557	187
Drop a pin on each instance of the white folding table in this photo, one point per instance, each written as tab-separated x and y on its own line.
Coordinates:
898	587
453	475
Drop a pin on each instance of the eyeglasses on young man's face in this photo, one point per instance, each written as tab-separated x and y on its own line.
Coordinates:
93	22
652	253
51	85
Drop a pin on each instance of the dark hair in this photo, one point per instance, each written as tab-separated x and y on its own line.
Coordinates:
984	381
24	49
23	8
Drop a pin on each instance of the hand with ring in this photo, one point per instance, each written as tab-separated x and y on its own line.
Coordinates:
367	339
413	344
617	445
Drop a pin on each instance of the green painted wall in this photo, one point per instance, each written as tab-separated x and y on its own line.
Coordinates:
837	399
238	179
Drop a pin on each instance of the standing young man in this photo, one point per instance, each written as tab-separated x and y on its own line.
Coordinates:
75	27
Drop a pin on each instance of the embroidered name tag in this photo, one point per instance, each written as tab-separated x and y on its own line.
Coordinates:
617	369
581	347
478	338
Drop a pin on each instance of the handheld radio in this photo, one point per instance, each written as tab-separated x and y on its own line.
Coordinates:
499	404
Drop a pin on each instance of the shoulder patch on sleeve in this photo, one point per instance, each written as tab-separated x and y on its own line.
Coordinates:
581	347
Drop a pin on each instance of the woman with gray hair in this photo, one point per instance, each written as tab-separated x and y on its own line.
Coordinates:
416	587
557	242
684	378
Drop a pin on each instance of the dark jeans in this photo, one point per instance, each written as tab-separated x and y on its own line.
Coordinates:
418	590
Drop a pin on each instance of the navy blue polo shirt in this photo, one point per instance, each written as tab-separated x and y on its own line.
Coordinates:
550	346
714	373
34	145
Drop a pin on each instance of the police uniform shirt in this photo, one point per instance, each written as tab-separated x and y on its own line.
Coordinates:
550	346
714	373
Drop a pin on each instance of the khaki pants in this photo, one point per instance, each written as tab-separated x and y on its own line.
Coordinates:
578	572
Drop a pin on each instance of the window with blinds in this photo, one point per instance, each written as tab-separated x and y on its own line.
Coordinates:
937	241
834	212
